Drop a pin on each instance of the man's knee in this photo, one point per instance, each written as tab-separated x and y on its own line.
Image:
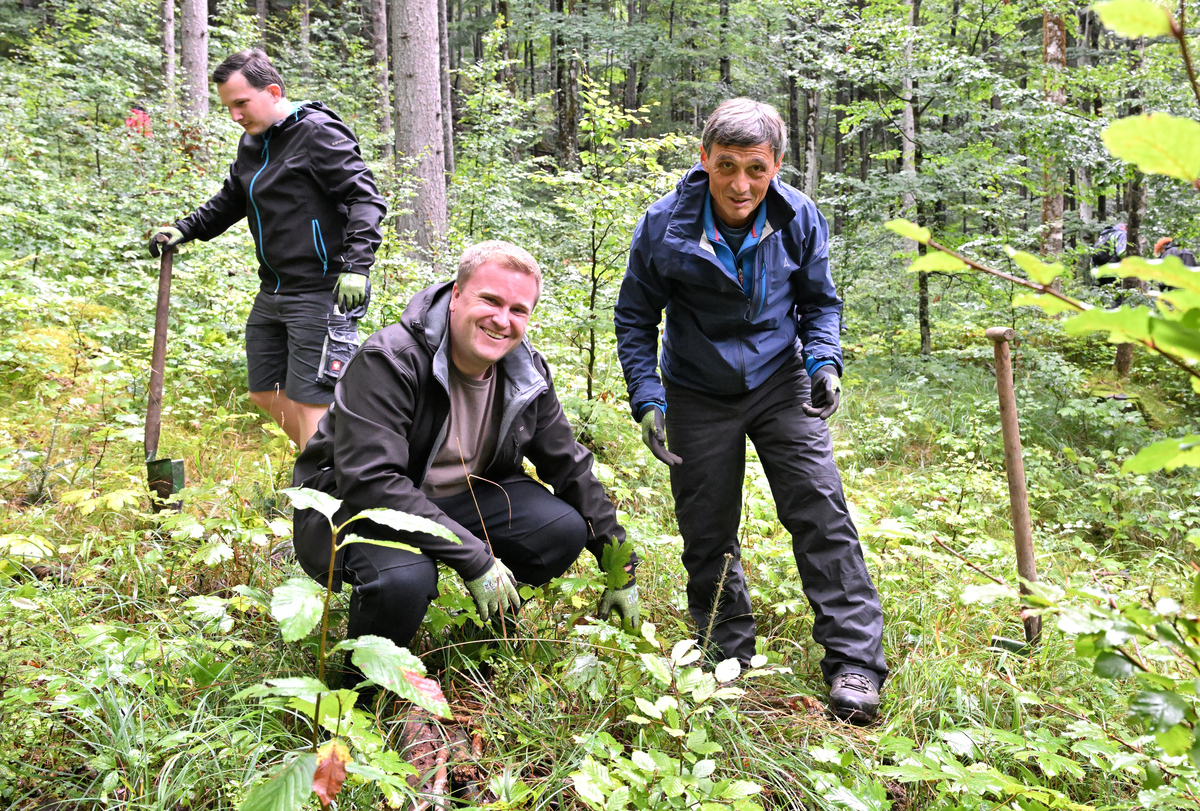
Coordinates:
391	602
551	549
263	399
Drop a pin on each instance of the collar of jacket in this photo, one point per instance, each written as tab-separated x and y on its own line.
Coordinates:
300	111
685	229
429	314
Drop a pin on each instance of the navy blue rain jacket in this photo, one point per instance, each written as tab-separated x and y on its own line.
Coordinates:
716	339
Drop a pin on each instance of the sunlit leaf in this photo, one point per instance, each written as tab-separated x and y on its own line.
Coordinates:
1167	454
331	771
1175	741
987	593
406	522
937	261
304	498
1037	270
1135	18
351	539
1051	305
728	670
393	667
1122	325
1158	144
287	790
295	686
296	606
1169	270
909	230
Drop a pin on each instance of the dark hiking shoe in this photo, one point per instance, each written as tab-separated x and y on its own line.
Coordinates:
854	698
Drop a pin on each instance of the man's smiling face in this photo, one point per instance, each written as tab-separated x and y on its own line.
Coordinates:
488	316
738	179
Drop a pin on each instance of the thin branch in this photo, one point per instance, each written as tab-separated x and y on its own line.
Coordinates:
958	555
1178	30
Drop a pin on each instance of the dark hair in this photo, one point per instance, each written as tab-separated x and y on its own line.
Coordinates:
255	65
745	122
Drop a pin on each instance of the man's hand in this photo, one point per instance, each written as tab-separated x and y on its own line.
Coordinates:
494	591
826	393
624	601
164	240
350	291
655	437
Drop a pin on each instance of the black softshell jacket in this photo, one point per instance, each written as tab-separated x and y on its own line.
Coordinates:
309	199
388	420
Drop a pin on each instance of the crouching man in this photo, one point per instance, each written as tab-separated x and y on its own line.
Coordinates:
433	416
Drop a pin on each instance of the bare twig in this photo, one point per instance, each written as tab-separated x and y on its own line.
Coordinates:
1179	31
961	557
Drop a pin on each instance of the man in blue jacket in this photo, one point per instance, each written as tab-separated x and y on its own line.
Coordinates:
739	261
314	212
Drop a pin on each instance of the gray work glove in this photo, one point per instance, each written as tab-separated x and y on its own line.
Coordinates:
624	601
655	437
164	239
495	591
350	291
826	393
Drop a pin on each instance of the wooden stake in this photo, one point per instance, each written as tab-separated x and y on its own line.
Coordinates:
1014	466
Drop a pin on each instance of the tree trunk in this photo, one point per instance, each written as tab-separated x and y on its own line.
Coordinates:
305	37
812	155
447	98
908	126
168	53
260	8
1135	205
418	115
794	129
566	94
630	100
379	46
726	66
1054	58
841	99
194	22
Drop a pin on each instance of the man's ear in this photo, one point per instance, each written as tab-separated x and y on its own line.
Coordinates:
704	158
276	91
453	296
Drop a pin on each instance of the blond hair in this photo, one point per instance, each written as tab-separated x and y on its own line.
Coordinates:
504	254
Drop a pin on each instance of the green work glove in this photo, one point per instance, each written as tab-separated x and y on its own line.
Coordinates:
164	239
624	601
826	393
494	591
350	291
655	437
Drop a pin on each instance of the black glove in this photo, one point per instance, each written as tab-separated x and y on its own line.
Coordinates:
826	393
164	240
655	437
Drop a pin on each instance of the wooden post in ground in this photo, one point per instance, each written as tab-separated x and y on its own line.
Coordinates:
1014	466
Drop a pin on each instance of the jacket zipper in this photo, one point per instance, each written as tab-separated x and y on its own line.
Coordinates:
319	244
266	153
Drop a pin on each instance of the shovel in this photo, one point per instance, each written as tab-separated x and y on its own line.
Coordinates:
166	476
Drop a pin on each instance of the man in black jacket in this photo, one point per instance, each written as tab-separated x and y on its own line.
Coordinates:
433	417
314	213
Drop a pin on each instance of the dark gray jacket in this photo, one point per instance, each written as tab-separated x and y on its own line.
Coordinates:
388	420
311	202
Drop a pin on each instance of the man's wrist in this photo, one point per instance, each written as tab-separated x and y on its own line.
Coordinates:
642	408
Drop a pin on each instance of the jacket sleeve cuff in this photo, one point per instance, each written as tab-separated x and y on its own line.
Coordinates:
811	365
639	410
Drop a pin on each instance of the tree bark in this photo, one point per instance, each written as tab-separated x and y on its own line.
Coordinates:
305	37
379	47
260	8
447	98
812	155
1135	206
1054	58
194	24
726	65
841	99
418	115
168	53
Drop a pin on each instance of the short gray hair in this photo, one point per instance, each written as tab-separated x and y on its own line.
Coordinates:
503	253
745	122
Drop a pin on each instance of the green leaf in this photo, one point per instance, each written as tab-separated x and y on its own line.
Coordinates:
937	261
1169	269
1051	305
406	522
287	790
1122	325
1158	144
613	561
294	687
1135	18
987	593
657	667
351	538
304	498
393	667
1162	710
1037	270
909	230
1175	741
297	606
728	670
1113	665
1168	454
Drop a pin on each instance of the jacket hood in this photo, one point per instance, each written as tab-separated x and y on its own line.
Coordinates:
300	111
427	316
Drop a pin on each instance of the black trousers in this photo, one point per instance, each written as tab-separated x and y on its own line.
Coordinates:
709	433
537	535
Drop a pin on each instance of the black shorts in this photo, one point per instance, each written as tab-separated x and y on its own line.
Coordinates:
298	345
